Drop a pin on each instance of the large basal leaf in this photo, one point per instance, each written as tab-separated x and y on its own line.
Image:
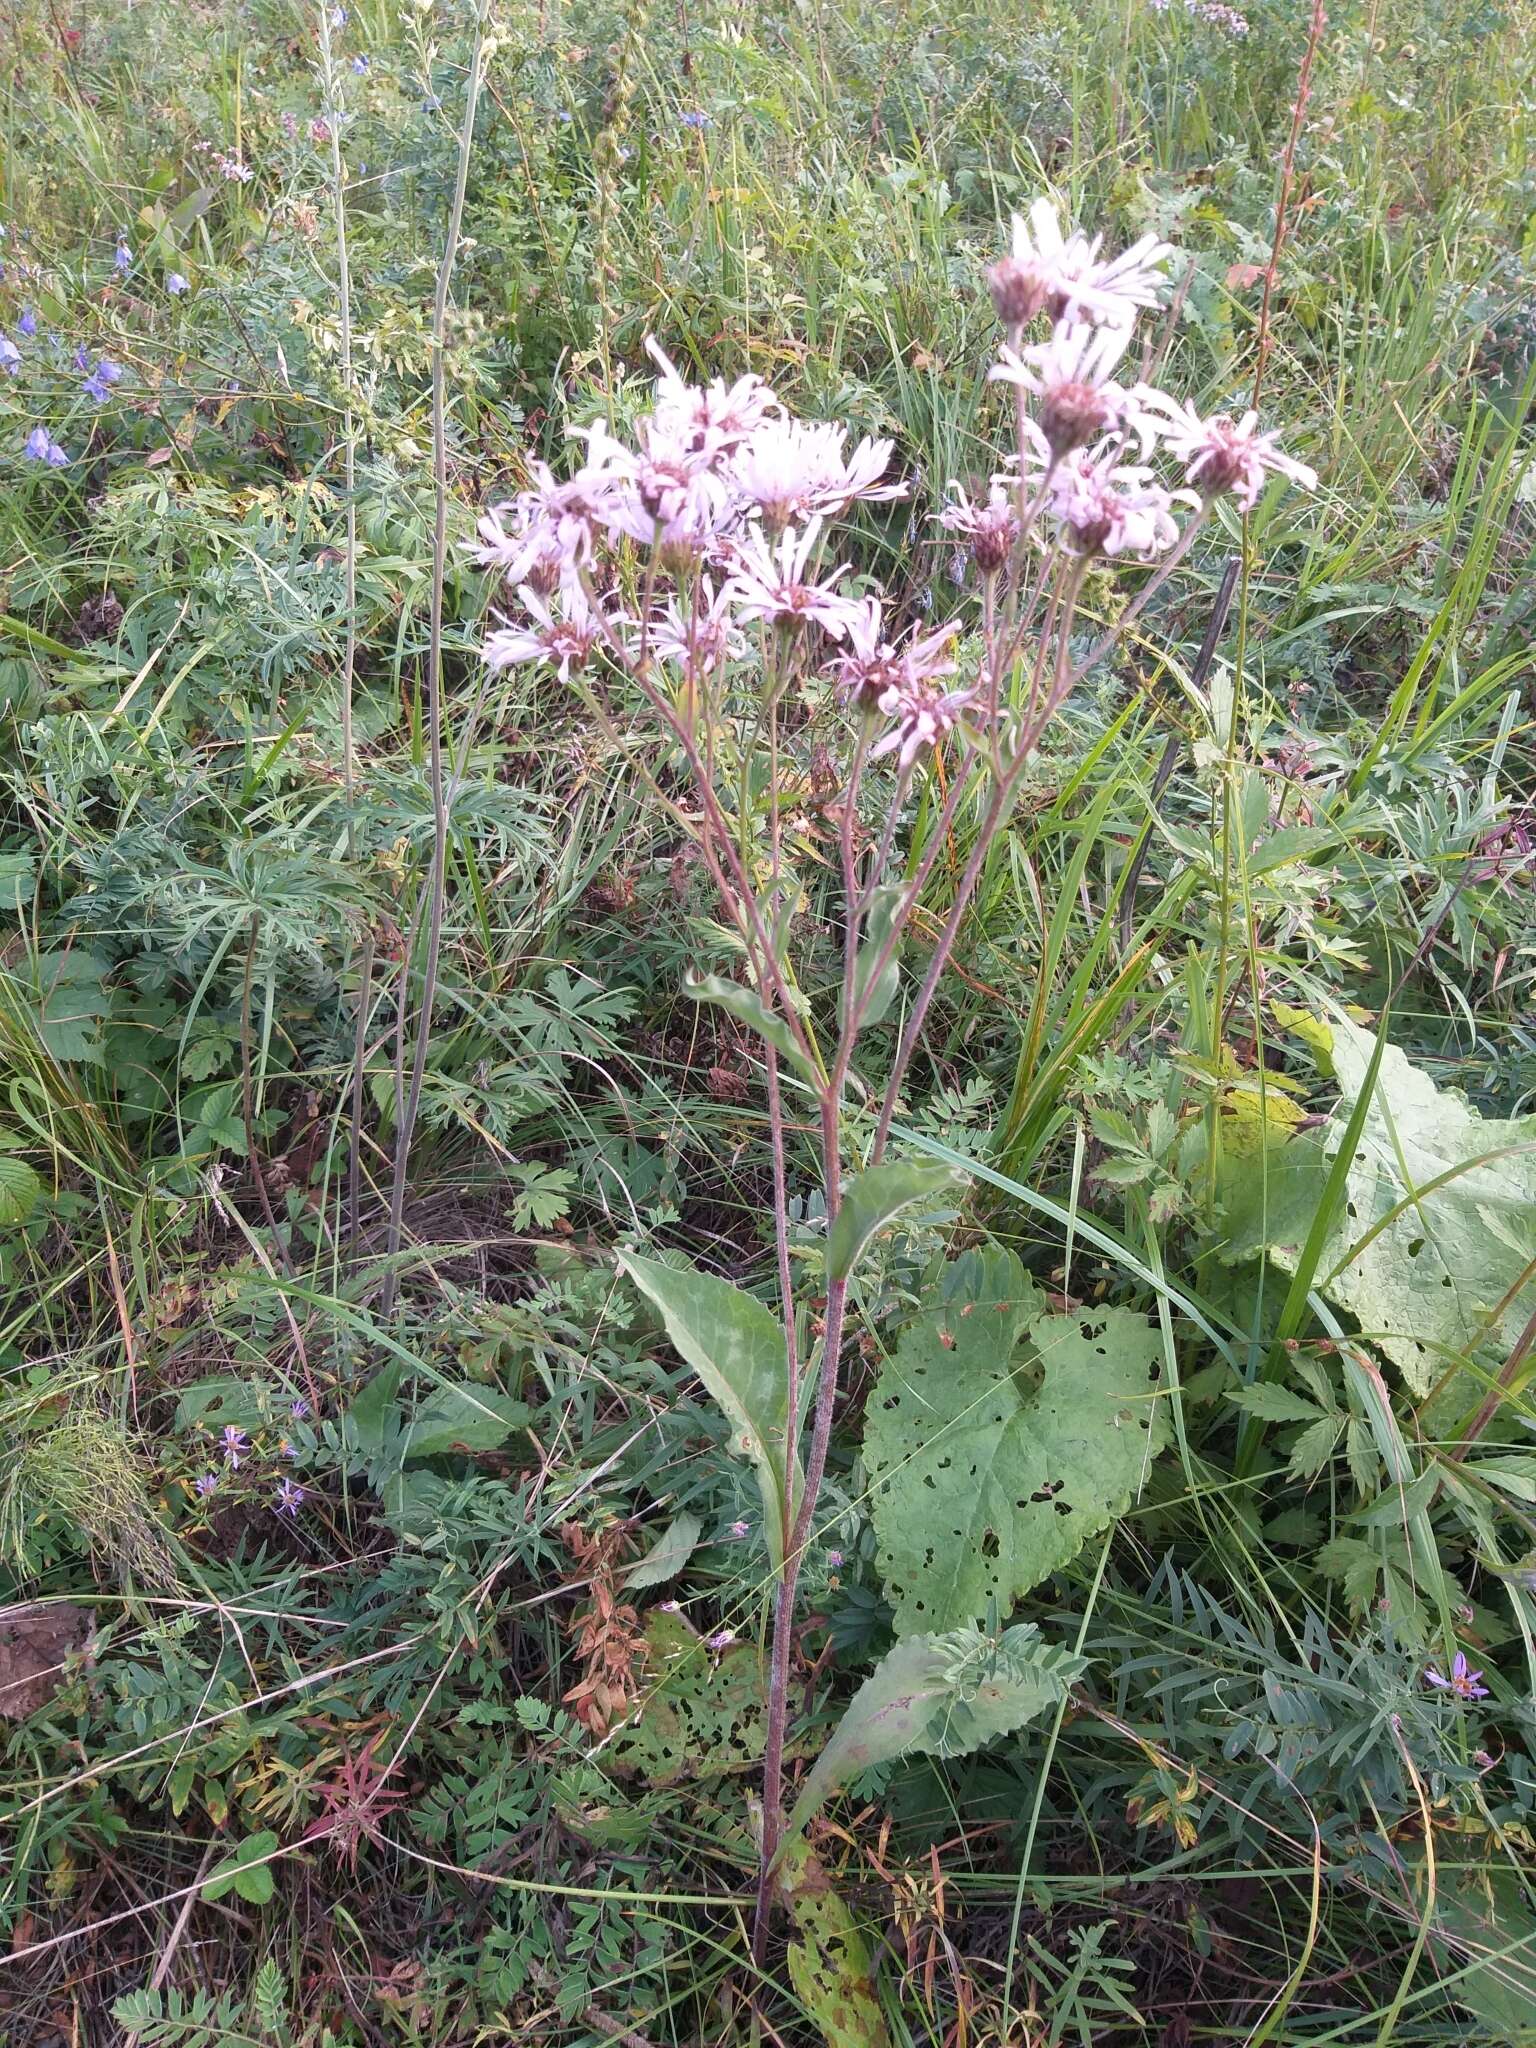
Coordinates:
1428	1282
998	1439
939	1695
830	1962
737	1349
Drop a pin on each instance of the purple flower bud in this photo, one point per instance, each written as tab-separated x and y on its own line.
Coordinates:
722	1639
695	120
27	324
82	360
739	1529
57	459
36	445
176	284
10	355
123	260
360	66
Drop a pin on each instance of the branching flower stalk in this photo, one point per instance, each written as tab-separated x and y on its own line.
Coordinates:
690	573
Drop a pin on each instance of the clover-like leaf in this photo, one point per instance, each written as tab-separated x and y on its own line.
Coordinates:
998	1439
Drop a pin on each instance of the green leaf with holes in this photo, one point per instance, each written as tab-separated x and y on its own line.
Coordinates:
736	1346
831	1964
999	1438
702	1713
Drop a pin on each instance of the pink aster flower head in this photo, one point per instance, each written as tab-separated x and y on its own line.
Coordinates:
701	636
922	715
1221	454
564	638
991	528
1106	507
775	583
722	1639
206	1483
1072	379
707	419
553	527
789	469
1464	1682
289	1499
666	497
738	1529
870	669
1065	276
235	1442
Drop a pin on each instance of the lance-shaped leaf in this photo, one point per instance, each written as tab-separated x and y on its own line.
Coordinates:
748	1005
939	1695
999	1439
737	1349
877	965
872	1198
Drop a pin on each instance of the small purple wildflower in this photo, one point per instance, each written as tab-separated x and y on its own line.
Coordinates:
207	1483
286	1449
27	324
40	446
694	120
738	1529
235	1441
290	1498
299	1409
834	1560
671	1607
123	260
82	360
98	385
339	17
176	284
360	66
10	355
1464	1683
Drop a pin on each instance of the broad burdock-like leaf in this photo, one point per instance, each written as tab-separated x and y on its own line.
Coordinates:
1432	1249
736	1346
999	1438
939	1695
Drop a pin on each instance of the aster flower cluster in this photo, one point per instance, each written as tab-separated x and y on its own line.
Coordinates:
236	1449
722	504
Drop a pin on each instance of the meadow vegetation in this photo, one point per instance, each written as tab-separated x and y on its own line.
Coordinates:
767	1108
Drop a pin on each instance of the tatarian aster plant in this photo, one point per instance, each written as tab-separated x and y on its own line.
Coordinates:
688	573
